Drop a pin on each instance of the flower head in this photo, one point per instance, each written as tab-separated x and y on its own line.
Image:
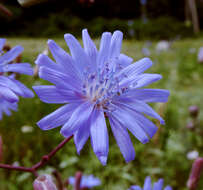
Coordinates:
10	88
94	84
86	181
148	186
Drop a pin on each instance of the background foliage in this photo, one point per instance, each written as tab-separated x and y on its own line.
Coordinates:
55	18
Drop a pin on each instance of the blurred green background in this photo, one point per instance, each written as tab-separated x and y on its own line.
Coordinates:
165	156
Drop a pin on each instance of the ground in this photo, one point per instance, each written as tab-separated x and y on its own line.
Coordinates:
164	156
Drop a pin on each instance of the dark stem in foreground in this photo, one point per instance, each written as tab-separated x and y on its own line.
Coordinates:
195	174
41	163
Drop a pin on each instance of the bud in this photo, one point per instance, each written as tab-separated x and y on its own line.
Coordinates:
195	173
78	177
194	111
26	3
190	126
44	182
200	55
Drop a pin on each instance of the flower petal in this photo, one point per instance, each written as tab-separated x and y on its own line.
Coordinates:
146	79
147	184
168	188
77	52
57	118
25	92
139	106
44	60
11	54
136	68
58	78
142	121
2	42
103	54
81	136
158	185
123	61
123	140
63	59
116	43
126	118
80	116
99	135
7	82
22	68
139	81
49	94
89	48
8	95
135	187
149	95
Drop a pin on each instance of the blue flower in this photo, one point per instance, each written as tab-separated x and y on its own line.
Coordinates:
97	84
10	88
86	181
6	107
9	57
148	186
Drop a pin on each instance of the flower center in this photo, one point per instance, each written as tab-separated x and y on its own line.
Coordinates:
102	86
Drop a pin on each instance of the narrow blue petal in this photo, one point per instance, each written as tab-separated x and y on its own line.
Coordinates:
138	81
147	184
80	116
148	126
135	187
123	140
126	119
141	107
103	54
2	42
63	59
57	118
168	188
90	182
146	79
59	79
89	48
149	95
81	136
49	94
44	60
158	185
25	92
8	95
116	43
136	68
77	52
123	61
6	111
7	82
22	68
11	54
99	135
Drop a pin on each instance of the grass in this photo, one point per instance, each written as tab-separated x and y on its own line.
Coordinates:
164	156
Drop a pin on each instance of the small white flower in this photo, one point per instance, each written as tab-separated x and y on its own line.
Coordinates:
26	129
192	155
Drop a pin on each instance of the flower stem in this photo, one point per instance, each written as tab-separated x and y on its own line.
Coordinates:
41	163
